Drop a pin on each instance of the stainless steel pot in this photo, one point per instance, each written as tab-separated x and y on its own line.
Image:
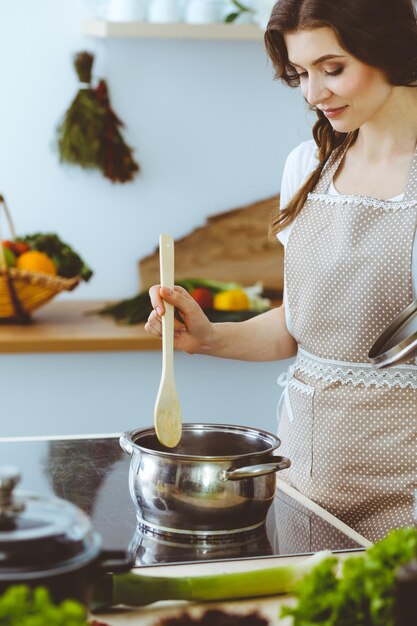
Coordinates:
219	478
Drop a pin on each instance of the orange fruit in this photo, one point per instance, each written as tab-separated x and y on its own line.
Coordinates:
35	261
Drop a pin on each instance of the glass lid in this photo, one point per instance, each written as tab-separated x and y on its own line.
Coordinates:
38	532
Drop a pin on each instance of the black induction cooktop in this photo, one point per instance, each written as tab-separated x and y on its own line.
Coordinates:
93	474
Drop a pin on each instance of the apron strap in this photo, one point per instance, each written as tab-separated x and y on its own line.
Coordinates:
334	161
330	169
283	381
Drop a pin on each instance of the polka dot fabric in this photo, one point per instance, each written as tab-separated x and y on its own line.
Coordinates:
300	434
297	529
348	274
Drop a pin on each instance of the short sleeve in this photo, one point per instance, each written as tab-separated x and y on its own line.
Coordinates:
299	165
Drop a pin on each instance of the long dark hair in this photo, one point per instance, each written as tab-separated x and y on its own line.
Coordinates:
380	33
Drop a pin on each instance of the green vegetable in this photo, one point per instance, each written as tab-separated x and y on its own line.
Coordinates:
363	594
130	311
215	286
140	589
136	310
20	606
66	260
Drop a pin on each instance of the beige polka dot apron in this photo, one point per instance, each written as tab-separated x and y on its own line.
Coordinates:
350	429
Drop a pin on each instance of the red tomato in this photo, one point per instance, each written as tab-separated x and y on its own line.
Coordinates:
19	247
203	296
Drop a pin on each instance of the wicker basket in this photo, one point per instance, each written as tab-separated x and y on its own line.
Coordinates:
21	291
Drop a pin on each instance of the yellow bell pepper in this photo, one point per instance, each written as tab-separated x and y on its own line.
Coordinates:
231	300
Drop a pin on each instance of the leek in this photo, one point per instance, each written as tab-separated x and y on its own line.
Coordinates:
214	285
133	589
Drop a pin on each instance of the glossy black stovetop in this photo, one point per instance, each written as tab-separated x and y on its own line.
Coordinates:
93	474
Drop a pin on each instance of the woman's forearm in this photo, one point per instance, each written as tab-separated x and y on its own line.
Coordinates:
262	338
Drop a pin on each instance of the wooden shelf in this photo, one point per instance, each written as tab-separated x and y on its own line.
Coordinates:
145	30
69	326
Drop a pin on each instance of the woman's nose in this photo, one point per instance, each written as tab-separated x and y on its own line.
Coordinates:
317	92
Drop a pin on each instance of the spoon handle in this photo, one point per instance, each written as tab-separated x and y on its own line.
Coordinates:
166	264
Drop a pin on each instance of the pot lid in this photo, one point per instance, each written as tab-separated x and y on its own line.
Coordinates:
398	342
40	533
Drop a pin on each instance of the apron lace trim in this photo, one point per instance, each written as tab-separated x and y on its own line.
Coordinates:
362	200
306	390
345	372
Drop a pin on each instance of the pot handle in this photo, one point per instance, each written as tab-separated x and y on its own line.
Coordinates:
126	444
251	471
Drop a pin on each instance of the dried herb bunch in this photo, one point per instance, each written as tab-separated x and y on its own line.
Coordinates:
89	134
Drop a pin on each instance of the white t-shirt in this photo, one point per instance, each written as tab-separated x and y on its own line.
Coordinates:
298	167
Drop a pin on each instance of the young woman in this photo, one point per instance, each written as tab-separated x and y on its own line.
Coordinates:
348	221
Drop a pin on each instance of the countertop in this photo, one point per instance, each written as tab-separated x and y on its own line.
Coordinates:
92	472
71	326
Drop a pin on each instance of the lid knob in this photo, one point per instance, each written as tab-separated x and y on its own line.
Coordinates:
9	477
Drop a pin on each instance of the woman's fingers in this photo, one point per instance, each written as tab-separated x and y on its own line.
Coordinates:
187	311
156	299
180	299
154	322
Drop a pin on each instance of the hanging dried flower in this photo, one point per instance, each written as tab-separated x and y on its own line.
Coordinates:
117	159
89	134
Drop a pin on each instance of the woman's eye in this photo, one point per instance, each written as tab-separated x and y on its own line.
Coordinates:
336	72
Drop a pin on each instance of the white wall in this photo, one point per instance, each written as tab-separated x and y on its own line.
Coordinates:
211	131
113	392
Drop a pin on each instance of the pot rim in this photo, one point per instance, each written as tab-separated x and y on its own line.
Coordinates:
131	438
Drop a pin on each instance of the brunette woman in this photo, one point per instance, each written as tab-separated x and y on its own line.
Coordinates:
348	221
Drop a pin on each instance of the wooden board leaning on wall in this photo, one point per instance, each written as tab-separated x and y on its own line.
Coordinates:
231	246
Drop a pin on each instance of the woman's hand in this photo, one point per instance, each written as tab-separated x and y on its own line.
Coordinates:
193	334
262	338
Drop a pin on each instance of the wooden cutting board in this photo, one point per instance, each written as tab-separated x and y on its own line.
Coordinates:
231	246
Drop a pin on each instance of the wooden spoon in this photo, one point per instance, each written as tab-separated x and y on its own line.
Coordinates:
167	412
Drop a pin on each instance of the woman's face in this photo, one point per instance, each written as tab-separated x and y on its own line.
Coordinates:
349	92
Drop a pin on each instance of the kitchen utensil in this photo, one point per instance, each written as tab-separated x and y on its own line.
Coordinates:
167	412
398	342
50	542
218	479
